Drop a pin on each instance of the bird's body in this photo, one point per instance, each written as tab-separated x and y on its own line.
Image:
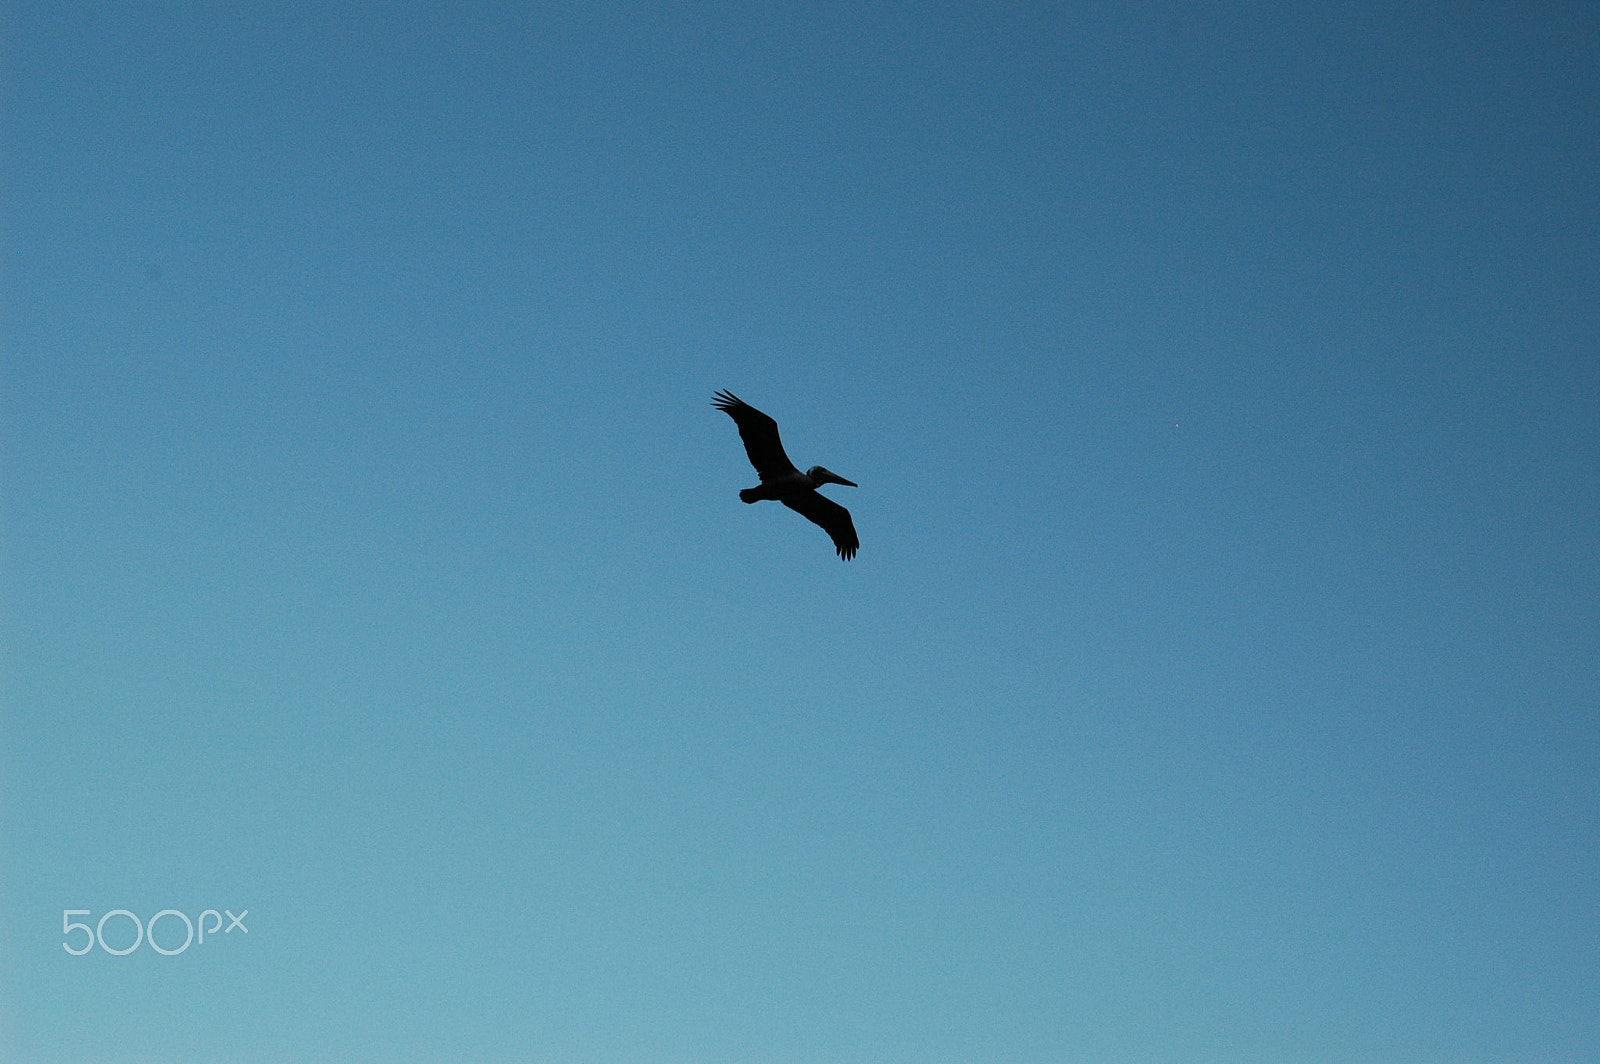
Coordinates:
782	487
782	482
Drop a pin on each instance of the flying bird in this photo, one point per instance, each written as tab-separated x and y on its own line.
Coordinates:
780	479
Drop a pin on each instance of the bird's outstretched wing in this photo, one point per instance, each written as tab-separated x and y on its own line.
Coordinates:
833	518
760	435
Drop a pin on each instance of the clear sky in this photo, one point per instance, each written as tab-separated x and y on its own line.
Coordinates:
1219	678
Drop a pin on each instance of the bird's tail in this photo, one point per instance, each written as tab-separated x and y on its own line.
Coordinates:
750	495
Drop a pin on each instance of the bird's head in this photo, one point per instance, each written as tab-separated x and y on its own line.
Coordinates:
820	475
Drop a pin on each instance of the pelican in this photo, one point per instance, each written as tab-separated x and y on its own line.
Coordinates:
780	479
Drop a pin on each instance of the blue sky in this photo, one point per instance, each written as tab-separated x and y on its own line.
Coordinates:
1219	679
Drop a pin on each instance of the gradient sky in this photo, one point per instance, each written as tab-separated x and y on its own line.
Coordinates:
1218	681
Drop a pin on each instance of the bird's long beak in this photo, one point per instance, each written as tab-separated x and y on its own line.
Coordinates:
829	477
